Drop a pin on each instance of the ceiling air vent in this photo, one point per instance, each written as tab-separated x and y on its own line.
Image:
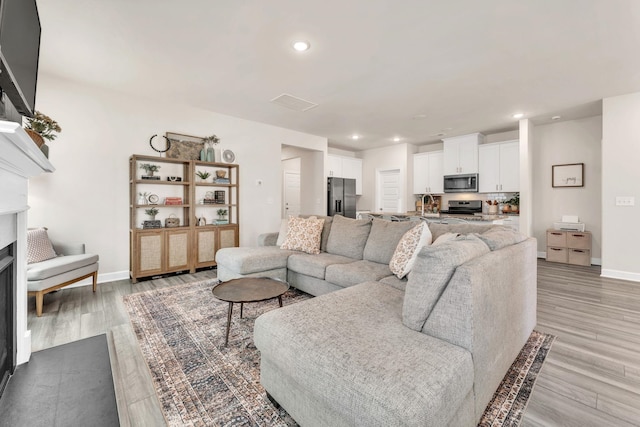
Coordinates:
292	102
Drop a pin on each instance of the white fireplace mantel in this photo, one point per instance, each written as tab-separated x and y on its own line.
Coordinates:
20	159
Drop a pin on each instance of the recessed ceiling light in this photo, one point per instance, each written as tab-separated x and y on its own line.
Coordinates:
556	117
396	139
301	45
355	137
419	116
518	115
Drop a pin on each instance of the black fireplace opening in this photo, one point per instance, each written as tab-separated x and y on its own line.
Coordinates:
7	314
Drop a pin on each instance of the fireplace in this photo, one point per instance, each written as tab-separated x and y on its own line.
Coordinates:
20	159
7	314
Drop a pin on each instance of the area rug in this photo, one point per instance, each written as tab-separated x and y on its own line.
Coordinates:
201	382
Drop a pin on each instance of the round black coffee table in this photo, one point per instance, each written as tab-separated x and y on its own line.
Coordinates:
248	289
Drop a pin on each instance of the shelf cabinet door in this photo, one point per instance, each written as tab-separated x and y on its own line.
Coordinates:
177	250
206	241
228	236
335	166
149	254
461	154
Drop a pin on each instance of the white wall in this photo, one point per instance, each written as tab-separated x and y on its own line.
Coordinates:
86	199
573	141
621	177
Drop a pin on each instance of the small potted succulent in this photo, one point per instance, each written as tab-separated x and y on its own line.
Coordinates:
203	175
515	203
152	212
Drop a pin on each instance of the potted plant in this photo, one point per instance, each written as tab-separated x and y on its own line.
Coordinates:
41	127
152	212
203	175
515	203
149	168
222	216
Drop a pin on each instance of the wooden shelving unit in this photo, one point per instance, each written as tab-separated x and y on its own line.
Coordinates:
156	251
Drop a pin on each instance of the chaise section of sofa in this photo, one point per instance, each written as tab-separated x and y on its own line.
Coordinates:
346	359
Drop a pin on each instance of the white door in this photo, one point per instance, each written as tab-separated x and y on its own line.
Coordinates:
291	194
510	166
388	191
420	173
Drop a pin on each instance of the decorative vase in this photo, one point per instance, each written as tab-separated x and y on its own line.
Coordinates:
35	136
203	155
221	173
142	200
210	154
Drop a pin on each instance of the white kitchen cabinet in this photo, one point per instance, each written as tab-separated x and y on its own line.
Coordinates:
461	154
428	173
346	167
499	167
335	166
352	168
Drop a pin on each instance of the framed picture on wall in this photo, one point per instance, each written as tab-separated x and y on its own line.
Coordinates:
569	175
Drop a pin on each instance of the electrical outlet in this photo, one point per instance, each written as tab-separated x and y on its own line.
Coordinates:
625	201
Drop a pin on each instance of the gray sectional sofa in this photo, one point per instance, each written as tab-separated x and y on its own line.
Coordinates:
427	350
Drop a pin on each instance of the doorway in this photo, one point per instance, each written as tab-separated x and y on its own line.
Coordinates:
389	191
291	199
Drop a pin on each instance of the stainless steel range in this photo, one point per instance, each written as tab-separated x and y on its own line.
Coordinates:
464	207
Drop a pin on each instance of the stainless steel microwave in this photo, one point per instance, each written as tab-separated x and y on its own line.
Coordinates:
461	183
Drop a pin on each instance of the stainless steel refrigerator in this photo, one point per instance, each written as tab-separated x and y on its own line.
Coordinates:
342	197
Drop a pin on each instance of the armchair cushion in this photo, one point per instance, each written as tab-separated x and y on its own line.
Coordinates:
39	247
59	265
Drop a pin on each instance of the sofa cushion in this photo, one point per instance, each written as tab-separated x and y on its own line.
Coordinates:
356	272
383	239
431	274
499	237
407	249
348	236
284	228
39	247
303	234
444	238
352	351
58	265
253	260
314	265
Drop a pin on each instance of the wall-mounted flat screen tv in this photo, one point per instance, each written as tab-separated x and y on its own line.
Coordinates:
19	52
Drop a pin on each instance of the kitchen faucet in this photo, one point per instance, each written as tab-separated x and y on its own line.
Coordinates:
433	202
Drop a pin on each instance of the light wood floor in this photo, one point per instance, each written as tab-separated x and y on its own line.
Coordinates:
591	376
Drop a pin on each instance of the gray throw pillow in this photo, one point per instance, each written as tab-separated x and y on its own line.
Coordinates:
431	273
384	238
348	236
499	237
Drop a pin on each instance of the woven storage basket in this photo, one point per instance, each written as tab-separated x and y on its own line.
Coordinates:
172	221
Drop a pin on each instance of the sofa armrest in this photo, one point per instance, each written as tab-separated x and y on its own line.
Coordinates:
68	248
267	239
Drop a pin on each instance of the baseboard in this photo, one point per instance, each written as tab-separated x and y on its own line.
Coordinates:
594	261
102	278
623	275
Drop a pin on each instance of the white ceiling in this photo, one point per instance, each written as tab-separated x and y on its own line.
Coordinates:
374	65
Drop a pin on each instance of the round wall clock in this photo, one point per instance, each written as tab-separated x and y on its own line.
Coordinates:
153	199
228	156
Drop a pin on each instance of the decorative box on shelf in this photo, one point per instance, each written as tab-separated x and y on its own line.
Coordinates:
222	181
151	178
155	223
222	221
173	200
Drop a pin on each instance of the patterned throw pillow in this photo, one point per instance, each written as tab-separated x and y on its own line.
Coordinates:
407	250
39	247
304	234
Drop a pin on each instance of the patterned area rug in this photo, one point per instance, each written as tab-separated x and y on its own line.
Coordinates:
201	382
